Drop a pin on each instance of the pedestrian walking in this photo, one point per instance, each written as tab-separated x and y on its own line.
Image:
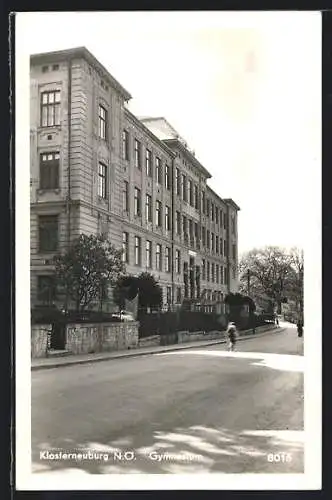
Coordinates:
276	320
231	334
300	328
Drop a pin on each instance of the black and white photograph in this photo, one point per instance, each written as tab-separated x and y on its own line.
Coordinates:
168	250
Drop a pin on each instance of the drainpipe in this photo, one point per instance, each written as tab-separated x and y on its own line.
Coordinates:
172	230
69	151
228	252
68	200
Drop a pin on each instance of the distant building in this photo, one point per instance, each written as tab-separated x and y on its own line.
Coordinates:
97	168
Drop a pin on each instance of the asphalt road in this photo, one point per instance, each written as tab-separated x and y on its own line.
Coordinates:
192	411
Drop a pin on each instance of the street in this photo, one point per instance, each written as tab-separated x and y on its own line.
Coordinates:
192	411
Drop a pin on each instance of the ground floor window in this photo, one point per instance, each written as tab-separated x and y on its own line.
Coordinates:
169	295
46	289
178	295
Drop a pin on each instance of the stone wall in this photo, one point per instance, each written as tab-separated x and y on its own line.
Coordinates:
39	340
149	341
186	336
102	337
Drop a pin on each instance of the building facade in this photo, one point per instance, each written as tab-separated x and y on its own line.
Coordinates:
98	169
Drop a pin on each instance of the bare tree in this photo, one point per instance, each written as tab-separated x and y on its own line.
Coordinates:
266	273
296	285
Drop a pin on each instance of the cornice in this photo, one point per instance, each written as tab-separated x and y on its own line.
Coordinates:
148	132
84	53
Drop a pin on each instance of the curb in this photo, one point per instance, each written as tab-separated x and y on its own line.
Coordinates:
133	354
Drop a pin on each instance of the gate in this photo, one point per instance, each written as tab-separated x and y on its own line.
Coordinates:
58	335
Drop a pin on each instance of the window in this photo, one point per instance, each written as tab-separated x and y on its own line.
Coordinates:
148	254
196	197
221	246
234	252
208	241
225	276
225	221
207	208
167	259
185	279
233	225
44	69
190	230
137	154
167	177
190	192
49	170
102	180
212	272
177	261
217	273
167	218
148	208
234	273
217	215
178	222
184	187
178	295
203	269
196	233
169	295
48	233
221	275
137	251
158	213
208	271
125	247
125	145
158	171
203	236
137	202
50	108
177	182
102	122
212	242
225	249
221	215
158	257
46	289
55	67
184	227
148	166
217	243
125	196
203	202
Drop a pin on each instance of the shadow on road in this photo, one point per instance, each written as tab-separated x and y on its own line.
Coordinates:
284	362
195	449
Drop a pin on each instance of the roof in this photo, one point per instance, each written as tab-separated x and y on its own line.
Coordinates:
178	144
209	188
84	53
231	202
170	136
138	122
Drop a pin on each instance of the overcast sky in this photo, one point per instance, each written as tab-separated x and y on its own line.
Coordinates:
243	89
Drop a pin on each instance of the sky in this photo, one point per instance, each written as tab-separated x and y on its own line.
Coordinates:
242	88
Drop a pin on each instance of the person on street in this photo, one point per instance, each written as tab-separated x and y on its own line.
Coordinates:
276	319
231	334
299	328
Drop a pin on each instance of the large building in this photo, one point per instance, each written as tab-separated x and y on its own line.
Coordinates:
97	168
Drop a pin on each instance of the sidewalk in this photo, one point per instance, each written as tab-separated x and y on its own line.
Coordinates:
76	359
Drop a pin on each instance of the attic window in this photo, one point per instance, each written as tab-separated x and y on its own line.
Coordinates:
44	69
55	67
